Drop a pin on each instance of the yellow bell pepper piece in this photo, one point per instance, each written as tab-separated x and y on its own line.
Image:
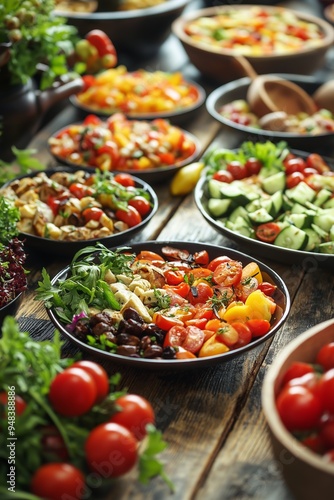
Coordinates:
260	305
238	313
186	178
250	270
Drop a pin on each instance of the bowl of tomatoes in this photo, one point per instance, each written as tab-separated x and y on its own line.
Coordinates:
64	209
151	150
212	37
297	400
171	306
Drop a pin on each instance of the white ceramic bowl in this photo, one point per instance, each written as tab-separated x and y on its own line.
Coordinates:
307	474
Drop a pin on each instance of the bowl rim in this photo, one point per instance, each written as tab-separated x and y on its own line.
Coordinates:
269	391
178	25
162	8
215	95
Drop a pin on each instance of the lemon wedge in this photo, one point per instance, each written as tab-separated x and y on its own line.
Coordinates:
186	179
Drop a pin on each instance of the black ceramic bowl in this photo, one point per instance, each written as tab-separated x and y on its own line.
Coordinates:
281	297
69	248
139	31
10	308
238	90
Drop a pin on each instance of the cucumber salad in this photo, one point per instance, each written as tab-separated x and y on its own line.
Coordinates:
267	192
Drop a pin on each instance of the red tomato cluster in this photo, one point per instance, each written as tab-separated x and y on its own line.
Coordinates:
305	402
297	169
97	51
236	170
111	448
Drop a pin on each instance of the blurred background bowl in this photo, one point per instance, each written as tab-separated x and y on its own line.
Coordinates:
138	31
307	474
219	65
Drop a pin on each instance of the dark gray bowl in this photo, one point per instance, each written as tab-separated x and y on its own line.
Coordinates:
140	31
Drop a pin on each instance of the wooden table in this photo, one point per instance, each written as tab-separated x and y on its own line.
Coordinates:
218	446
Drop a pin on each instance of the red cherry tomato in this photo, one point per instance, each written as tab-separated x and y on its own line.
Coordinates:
268	232
92	213
325	356
296	370
99	375
228	273
72	392
223	176
130	216
56	481
53	445
294	165
294	179
299	408
200	293
327	432
135	412
244	334
201	258
166	322
100	40
141	204
20	404
125	179
79	190
258	327
253	166
92	120
326	390
218	260
111	450
174	277
237	169
190	338
267	288
316	161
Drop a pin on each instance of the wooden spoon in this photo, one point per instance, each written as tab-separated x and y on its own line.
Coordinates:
270	93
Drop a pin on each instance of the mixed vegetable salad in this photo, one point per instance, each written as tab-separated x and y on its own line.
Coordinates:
64	420
121	144
139	92
168	305
255	30
78	205
266	192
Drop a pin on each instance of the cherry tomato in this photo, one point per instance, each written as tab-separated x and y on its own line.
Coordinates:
325	356
223	176
20	404
228	335
296	370
327	432
294	179
56	481
99	376
141	204
92	213
258	327
100	40
267	232
53	445
309	171
316	161
181	289
218	260
253	166
237	169
326	390
267	288
294	165
125	180
314	443
329	456
173	277
130	216
190	338
228	273
299	408
198	272
150	256
72	392
79	190
244	334
201	258
111	450
200	293
166	322
92	120
135	412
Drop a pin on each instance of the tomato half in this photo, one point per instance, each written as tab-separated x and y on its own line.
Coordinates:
56	481
141	204
135	412
258	327
228	273
130	216
125	180
111	450
267	232
72	392
200	293
218	260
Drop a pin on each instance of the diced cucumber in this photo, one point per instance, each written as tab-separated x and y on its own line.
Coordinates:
327	247
292	237
274	183
287	203
301	193
260	216
245	231
322	196
234	194
297	208
239	212
325	221
314	239
331	233
323	234
277	199
329	203
253	205
300	220
214	188
218	208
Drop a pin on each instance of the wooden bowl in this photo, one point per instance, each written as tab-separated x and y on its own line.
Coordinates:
307	474
219	64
